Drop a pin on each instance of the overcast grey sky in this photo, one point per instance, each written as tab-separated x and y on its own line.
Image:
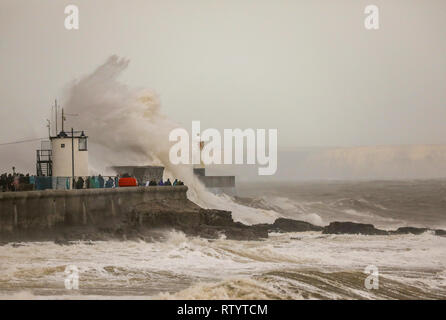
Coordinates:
308	68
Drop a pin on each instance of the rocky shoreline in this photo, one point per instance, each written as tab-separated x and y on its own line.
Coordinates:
148	221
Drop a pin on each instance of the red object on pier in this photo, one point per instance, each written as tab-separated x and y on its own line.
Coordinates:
128	182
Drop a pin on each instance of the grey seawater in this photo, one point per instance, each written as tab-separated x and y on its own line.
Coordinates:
387	204
308	265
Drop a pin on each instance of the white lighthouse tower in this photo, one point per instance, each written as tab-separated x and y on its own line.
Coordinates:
69	154
66	154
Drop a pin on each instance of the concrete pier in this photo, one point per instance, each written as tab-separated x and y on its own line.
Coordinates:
43	210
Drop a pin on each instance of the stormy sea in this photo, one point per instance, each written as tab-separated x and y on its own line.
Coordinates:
304	265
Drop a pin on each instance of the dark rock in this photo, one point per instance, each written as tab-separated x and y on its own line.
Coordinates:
252	232
289	225
61	241
195	221
352	228
17	245
216	217
410	230
247	233
417	231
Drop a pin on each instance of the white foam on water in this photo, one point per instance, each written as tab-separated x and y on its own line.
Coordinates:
165	269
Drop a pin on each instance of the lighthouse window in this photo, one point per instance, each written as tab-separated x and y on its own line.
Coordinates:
82	144
62	145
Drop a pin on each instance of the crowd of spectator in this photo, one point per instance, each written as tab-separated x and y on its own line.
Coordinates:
117	181
15	181
94	182
25	182
176	182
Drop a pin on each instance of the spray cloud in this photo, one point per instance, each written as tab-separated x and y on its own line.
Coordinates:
126	127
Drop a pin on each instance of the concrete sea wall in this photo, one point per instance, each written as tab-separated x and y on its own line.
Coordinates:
44	210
